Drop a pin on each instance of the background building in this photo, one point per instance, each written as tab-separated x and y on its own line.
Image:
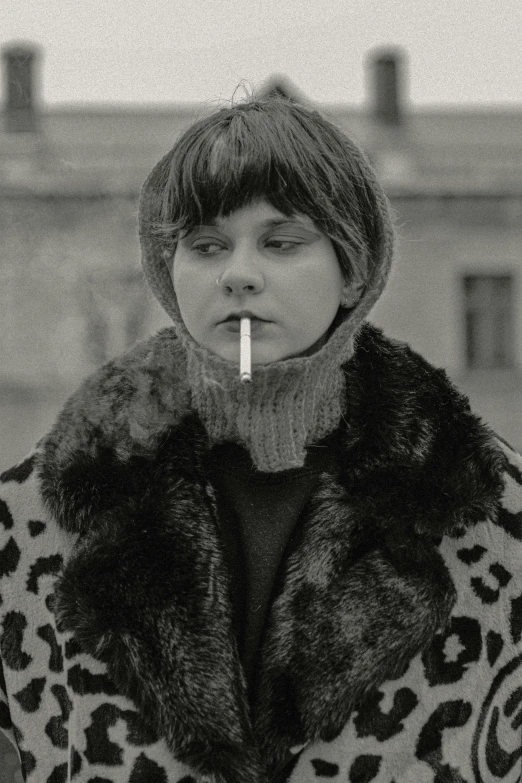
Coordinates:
72	294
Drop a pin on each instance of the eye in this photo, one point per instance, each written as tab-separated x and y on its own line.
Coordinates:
206	248
284	244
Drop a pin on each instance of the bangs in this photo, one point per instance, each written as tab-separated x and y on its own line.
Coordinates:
237	159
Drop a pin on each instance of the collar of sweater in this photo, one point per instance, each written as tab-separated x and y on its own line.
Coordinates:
126	470
288	405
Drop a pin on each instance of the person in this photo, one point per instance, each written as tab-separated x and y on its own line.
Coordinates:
315	574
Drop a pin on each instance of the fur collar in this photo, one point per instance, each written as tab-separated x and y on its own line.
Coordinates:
365	590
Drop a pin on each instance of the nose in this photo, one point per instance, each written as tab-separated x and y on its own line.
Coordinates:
241	276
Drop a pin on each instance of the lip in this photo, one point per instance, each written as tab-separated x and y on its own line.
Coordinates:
243	314
235	325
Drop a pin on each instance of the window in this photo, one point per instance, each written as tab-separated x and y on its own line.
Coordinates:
489	321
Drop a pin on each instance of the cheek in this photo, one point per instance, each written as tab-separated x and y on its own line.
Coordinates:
320	293
191	286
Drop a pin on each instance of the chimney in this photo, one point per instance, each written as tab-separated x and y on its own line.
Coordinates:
19	61
387	86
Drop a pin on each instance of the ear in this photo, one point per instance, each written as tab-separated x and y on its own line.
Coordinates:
351	293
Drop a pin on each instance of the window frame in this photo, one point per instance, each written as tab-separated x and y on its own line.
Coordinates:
509	347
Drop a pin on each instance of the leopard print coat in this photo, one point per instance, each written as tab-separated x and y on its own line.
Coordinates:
393	651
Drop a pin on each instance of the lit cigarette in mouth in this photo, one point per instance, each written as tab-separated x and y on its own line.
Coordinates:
245	354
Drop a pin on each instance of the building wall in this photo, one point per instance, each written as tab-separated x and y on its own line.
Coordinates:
440	241
72	293
72	296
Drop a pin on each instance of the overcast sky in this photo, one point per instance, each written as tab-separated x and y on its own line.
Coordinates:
161	51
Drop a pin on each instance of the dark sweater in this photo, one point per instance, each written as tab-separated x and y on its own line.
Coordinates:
258	515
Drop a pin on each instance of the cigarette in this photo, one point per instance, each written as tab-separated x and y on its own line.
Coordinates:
245	355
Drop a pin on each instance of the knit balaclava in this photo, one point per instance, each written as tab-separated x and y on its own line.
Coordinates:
290	403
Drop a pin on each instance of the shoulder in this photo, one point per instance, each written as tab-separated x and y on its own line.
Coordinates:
412	413
399	364
405	392
404	396
125	407
126	404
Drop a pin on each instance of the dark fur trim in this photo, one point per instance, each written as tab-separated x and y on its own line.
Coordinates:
365	587
353	611
410	432
147	584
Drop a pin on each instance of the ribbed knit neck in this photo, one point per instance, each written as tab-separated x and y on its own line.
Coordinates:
288	405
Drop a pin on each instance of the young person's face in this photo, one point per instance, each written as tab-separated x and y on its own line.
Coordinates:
283	270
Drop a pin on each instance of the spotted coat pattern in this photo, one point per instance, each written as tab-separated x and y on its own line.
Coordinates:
57	705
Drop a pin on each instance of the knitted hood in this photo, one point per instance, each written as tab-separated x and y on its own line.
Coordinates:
292	402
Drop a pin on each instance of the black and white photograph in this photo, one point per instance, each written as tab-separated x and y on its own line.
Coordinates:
261	391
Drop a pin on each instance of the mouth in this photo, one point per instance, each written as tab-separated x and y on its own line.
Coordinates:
235	319
245	314
233	324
